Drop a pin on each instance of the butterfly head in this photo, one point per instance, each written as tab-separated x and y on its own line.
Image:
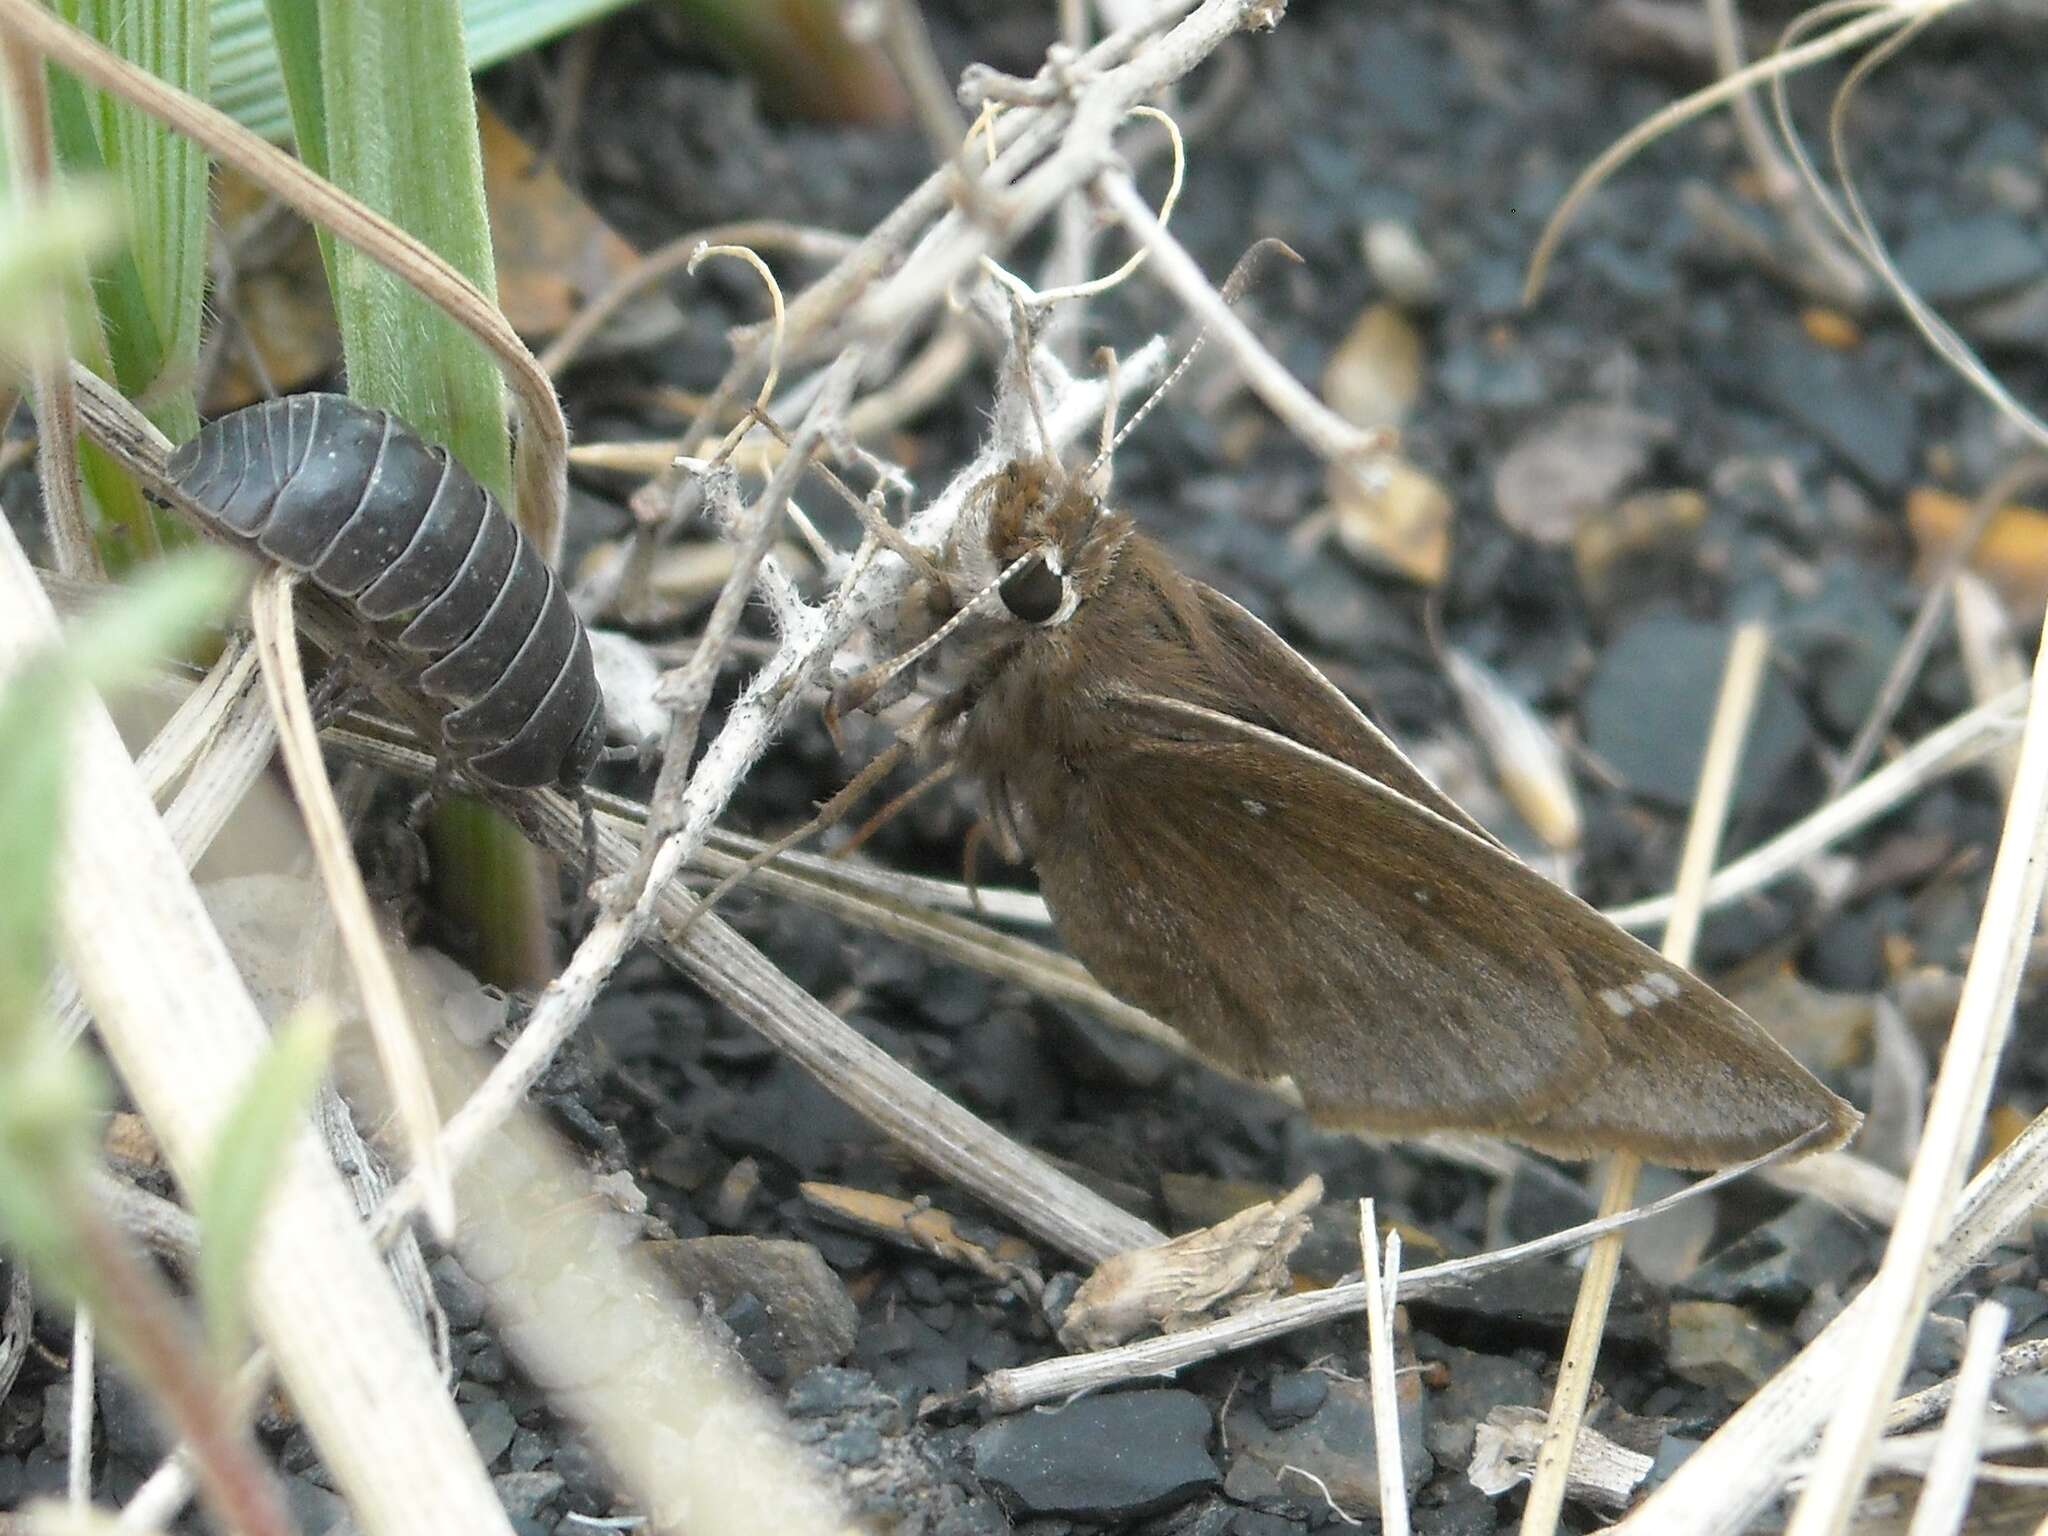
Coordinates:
1042	539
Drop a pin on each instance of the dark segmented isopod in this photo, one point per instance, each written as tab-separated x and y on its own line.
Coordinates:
410	544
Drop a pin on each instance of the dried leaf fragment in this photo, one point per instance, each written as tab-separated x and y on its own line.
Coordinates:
1401	524
914	1224
1504	1453
2012	556
1177	1284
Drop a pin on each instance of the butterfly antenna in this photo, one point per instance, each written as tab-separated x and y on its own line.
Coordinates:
1233	289
1023	335
828	814
865	685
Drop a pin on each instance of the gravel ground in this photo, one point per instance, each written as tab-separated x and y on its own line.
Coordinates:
1770	448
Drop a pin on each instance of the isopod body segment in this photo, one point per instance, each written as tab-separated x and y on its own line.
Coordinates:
405	539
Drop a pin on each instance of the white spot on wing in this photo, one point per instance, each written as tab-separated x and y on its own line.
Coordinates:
1617	1002
1256	807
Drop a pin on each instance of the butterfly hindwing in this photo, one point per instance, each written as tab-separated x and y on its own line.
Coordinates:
1406	973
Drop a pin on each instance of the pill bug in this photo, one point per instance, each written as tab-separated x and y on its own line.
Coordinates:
421	555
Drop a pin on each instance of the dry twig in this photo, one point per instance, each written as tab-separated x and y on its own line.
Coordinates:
391	1028
183	1033
1006	1391
25	113
1747	653
1945	1494
1900	1290
1379	1335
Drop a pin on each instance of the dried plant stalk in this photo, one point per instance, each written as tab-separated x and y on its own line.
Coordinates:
183	1033
1741	680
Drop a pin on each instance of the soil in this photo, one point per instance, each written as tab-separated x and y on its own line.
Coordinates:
1461	124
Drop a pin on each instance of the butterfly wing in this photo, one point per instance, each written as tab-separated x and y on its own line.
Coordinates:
1298	702
1407	973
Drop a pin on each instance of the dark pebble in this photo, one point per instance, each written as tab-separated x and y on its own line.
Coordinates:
1649	702
1843	639
44	1474
794	1304
57	1418
1112	1457
526	1494
2026	1304
791	1118
1256	1522
1465	1511
530	1449
461	1297
315	1511
1337	1446
1539	1198
1851	404
854	1446
828	1390
13	1480
1779	1264
21	1421
491	1427
1534	1302
2026	1396
487	1363
584	1474
1478	1383
127	1423
1960	260
1293	1396
1333	609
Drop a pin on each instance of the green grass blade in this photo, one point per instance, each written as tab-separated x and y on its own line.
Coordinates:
243	1169
164	176
401	135
251	86
400	118
295	26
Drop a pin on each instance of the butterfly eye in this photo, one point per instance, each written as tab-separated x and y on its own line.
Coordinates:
1034	592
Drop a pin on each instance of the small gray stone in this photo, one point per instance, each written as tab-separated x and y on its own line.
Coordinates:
1336	1446
1724	1347
827	1390
530	1449
1478	1384
1465	1511
1647	707
1779	1264
461	1297
2026	1396
127	1421
43	1474
21	1422
315	1511
1112	1457
491	1427
57	1417
811	1321
1852	406
1293	1396
13	1480
1962	260
857	1445
525	1494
